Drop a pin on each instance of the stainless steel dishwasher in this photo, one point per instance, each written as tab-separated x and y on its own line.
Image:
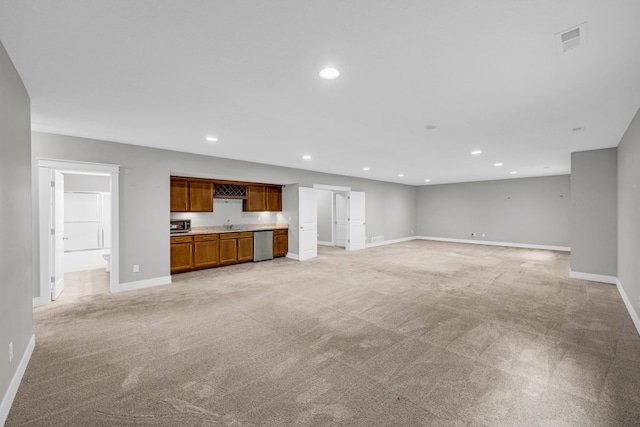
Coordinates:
262	245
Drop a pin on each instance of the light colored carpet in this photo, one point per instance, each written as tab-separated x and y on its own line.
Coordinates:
411	334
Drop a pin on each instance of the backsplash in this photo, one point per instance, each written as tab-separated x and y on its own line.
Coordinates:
230	209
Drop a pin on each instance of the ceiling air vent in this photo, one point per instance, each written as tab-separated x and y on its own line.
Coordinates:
571	38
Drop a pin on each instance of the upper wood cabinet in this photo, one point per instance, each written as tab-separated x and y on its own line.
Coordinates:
191	195
179	195
274	198
263	198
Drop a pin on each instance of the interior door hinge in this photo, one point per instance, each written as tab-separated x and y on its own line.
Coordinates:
53	279
53	184
53	231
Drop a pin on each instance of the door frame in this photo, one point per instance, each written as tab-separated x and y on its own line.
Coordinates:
45	169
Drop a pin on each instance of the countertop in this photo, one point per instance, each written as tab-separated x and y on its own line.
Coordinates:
219	229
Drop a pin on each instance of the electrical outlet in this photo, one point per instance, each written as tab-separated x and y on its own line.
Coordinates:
136	268
10	351
474	234
484	235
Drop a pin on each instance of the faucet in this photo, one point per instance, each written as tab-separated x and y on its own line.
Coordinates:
228	225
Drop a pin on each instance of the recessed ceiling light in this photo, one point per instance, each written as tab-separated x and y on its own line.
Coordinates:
365	169
513	172
400	175
476	152
329	73
497	164
427	180
430	127
306	157
212	139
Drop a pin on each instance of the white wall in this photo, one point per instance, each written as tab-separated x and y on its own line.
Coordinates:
16	273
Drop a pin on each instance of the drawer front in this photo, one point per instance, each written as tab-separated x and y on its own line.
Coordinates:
279	232
205	237
182	239
242	235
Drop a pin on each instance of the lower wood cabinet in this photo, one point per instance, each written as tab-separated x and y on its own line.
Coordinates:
236	247
280	243
212	250
206	251
181	254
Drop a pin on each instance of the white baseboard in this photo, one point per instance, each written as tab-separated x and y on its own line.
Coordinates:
293	256
7	400
508	244
627	302
141	284
38	301
320	242
390	242
593	277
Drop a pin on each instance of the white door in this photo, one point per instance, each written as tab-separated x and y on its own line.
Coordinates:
308	221
57	222
341	220
356	219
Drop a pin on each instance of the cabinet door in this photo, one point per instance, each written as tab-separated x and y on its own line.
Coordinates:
274	199
228	251
255	201
245	249
179	195
181	257
280	243
205	253
201	196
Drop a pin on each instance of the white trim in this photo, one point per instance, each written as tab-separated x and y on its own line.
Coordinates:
37	302
331	187
141	284
293	256
390	242
7	400
74	166
323	243
113	171
627	303
593	277
508	244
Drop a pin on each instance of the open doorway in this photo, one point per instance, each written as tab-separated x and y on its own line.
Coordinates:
78	210
340	217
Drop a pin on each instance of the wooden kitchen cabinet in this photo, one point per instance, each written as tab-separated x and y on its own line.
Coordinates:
273	199
191	195
179	194
256	199
280	243
206	251
228	251
263	198
181	254
245	247
236	247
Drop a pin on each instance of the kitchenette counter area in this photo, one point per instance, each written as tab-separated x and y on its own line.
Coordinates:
217	246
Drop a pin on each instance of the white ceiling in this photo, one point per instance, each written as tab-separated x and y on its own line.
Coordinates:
486	73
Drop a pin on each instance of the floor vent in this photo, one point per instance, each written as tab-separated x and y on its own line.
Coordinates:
571	38
377	239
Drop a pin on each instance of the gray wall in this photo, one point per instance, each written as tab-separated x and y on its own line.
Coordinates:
629	212
594	210
15	209
324	215
144	194
532	211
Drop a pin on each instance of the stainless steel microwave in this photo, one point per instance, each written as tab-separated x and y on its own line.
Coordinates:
180	225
